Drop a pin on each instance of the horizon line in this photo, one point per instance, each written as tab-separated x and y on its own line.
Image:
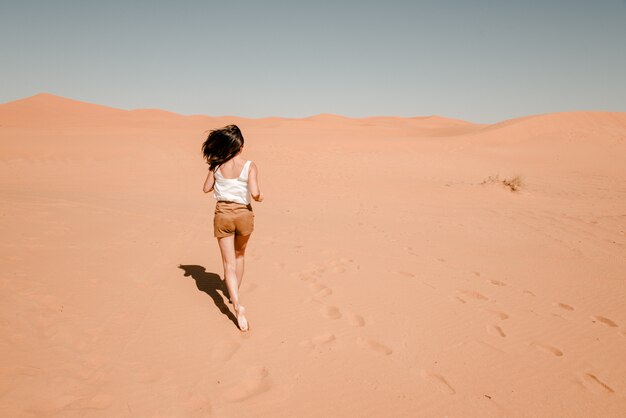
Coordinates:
68	99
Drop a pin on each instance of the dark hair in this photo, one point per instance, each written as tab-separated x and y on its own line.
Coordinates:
221	145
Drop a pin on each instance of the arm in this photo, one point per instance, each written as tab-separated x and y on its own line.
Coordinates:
209	182
253	183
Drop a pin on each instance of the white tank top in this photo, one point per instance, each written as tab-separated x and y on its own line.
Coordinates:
233	190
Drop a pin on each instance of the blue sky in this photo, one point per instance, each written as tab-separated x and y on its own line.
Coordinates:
482	61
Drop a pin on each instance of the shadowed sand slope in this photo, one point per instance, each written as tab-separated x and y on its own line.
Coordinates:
392	271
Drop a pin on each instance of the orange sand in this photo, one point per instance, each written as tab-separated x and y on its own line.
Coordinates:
383	278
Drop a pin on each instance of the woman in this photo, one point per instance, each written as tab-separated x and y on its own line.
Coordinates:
233	180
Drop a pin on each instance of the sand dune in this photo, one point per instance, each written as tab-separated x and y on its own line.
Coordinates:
386	277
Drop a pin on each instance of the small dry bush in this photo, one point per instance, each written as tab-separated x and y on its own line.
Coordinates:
514	183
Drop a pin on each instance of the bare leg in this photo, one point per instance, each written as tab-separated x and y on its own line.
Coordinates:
227	248
240	250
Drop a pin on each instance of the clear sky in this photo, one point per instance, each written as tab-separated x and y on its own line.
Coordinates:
477	60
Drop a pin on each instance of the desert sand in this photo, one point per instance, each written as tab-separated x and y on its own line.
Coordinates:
393	271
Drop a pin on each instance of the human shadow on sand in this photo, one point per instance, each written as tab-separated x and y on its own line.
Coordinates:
212	285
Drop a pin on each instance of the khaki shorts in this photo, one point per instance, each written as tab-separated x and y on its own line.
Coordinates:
232	218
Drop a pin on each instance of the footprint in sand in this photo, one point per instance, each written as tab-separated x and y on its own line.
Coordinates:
563	306
528	293
356	320
405	274
338	268
254	383
473	294
591	382
324	292
319	340
223	351
500	315
547	349
604	320
497	283
321	290
438	381
330	312
495	330
306	277
475	273
334	266
316	286
341	265
319	271
323	338
375	346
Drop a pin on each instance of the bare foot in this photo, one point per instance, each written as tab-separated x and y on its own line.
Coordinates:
242	322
